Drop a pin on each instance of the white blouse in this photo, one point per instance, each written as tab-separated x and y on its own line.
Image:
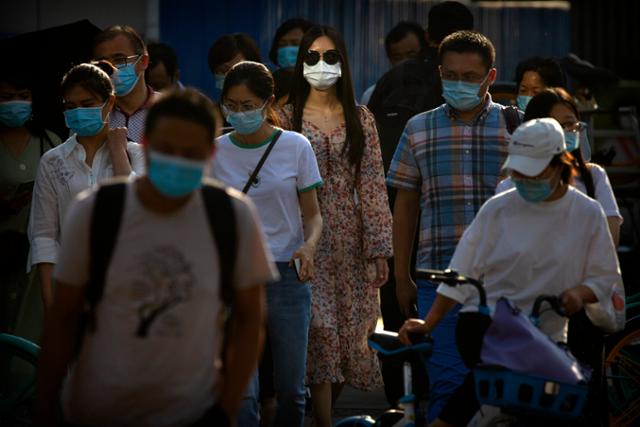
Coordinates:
62	174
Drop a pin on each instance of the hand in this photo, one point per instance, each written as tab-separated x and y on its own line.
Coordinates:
412	326
116	138
305	253
382	273
406	292
572	301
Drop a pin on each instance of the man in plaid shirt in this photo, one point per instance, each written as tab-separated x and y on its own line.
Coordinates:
446	166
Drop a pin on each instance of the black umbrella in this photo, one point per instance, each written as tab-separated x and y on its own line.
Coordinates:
43	57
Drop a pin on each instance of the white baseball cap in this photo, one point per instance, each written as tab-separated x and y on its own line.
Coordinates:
533	145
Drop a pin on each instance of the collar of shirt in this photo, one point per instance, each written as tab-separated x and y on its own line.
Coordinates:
453	114
69	145
145	106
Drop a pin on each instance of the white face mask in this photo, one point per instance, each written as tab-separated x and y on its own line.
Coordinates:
322	76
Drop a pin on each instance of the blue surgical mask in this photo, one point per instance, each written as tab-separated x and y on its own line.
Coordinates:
246	122
85	121
174	176
534	191
14	114
523	101
125	79
287	56
572	140
462	96
219	81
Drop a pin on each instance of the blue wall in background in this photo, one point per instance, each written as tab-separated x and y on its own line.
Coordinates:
191	26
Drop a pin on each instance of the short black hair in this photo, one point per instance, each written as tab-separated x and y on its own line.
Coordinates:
188	104
402	30
162	53
283	29
114	31
446	18
226	47
469	42
549	70
95	78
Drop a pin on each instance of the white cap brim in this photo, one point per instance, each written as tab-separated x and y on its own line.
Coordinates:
526	165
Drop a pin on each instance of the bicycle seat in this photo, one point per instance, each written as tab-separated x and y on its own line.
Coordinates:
388	344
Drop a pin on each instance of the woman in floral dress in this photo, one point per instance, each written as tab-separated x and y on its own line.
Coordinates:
351	256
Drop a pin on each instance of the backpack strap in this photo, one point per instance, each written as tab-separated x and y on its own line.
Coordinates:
105	223
222	224
511	117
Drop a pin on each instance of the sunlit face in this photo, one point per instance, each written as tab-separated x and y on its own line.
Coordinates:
77	97
565	116
322	44
550	171
467	67
175	136
240	98
222	69
9	93
120	52
292	37
407	48
531	84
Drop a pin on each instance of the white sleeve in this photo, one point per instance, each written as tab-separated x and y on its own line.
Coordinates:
136	153
468	259
504	185
602	276
308	172
604	192
73	263
44	221
254	264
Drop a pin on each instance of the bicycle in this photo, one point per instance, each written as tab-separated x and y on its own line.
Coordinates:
388	345
18	366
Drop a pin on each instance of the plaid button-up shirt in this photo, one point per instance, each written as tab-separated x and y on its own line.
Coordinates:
455	166
134	122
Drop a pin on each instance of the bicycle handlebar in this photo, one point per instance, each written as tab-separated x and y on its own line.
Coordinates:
552	300
452	278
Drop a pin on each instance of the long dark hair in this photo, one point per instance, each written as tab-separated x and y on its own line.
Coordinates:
541	105
300	88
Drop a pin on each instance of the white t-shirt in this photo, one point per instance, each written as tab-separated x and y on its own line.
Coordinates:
291	168
522	250
602	189
62	174
166	377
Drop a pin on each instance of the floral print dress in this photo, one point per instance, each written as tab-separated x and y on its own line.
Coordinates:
357	229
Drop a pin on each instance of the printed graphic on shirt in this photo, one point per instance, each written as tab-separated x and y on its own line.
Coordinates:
59	170
165	280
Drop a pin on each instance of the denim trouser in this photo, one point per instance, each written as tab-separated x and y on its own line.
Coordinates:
445	367
288	318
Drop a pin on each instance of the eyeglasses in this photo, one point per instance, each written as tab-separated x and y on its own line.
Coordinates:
574	127
123	61
242	108
331	57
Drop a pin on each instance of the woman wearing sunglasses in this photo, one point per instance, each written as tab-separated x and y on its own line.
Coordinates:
592	179
92	153
356	239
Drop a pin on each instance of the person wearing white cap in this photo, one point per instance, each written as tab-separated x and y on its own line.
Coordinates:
530	241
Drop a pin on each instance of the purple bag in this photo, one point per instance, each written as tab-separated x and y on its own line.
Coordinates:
513	342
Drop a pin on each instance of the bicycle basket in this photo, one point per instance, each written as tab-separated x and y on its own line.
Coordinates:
520	392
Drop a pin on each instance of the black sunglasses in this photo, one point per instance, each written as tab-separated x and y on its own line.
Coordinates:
331	57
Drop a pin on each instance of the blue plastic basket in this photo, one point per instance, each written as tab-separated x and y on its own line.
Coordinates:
524	393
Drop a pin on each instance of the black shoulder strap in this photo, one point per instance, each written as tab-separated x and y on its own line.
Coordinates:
254	175
511	118
222	222
105	223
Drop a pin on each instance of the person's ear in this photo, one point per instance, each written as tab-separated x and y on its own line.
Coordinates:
493	74
144	62
271	101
